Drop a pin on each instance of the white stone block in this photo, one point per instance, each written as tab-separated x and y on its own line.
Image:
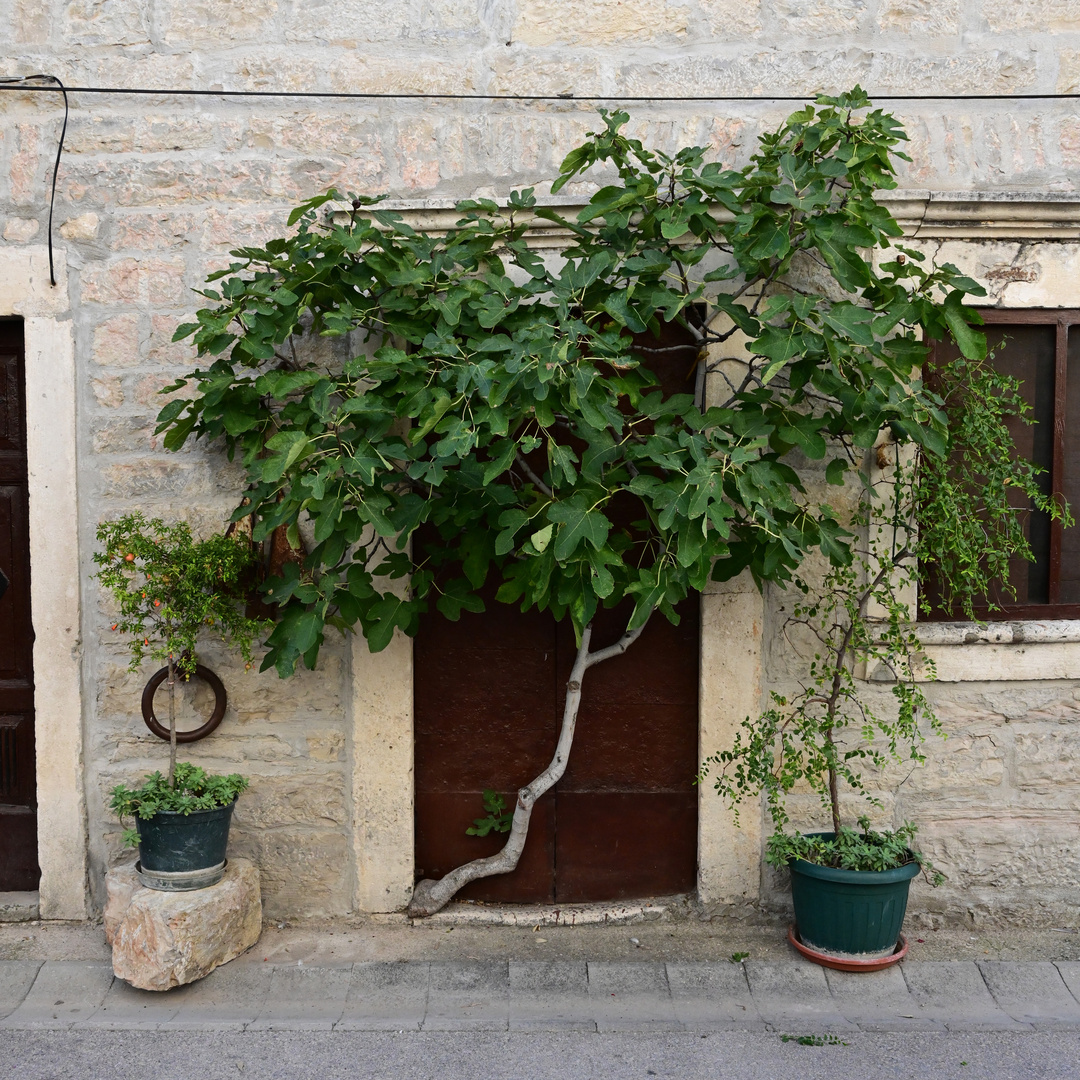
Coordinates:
165	939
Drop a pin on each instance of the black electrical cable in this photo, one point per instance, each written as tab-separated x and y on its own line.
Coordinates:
617	98
14	84
25	82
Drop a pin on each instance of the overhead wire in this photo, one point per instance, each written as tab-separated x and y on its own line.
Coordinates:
25	83
14	83
394	95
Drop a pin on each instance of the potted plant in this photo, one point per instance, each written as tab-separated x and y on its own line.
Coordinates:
169	589
920	513
181	825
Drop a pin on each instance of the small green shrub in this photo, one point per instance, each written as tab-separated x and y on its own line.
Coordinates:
852	850
954	513
192	789
497	819
170	588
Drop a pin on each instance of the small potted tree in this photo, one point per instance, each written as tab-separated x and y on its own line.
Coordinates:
952	515
169	589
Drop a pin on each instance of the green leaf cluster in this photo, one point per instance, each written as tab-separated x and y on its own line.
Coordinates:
192	789
496	817
850	849
492	415
973	502
170	588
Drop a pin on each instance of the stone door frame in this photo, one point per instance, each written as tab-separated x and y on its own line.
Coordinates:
55	586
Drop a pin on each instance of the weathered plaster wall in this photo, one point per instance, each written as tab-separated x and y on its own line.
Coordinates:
153	191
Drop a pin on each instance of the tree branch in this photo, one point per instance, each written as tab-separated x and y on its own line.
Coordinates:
618	648
524	465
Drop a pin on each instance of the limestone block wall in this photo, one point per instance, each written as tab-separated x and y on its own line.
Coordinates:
154	191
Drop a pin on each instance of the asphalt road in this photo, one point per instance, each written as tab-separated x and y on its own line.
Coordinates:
201	1055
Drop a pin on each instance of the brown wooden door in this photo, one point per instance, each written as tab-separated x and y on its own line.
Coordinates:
488	694
488	697
18	803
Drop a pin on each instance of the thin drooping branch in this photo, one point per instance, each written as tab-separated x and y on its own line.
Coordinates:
429	895
524	466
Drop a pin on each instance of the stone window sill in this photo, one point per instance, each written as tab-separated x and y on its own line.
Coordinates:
1003	652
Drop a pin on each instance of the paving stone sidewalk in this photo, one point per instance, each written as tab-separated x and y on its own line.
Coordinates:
587	996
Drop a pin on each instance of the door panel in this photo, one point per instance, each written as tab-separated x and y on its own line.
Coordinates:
16	643
18	804
623	820
625	844
488	694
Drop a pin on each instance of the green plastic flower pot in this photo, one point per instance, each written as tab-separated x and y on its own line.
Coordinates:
178	852
853	914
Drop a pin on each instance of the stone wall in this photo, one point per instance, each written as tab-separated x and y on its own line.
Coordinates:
154	190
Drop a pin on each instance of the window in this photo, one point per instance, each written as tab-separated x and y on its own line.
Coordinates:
1041	349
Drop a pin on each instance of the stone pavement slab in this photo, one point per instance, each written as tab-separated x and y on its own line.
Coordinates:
126	1008
470	994
792	993
1070	974
386	997
553	996
550	996
631	997
228	999
713	997
878	1001
303	998
953	993
16	978
64	992
1033	993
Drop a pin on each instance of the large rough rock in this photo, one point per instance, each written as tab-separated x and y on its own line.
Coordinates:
164	939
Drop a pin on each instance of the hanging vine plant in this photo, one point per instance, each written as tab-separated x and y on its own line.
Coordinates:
498	400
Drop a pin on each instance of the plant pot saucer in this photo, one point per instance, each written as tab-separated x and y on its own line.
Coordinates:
841	963
180	881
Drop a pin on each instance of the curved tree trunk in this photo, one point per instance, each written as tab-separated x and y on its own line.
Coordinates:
429	895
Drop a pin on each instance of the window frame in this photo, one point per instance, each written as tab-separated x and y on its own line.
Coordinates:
1061	319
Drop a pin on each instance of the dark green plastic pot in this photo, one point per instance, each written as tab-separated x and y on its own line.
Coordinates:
174	843
853	914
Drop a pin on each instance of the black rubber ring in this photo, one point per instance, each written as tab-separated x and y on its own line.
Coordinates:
162	732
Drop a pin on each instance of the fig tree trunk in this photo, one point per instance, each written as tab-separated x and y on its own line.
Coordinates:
429	895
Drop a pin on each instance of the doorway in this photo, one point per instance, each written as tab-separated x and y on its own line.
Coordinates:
18	797
488	697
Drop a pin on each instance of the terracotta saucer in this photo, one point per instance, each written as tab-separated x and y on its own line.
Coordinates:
842	964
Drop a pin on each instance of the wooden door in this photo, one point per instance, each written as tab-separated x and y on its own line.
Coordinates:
488	693
622	822
18	804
